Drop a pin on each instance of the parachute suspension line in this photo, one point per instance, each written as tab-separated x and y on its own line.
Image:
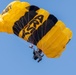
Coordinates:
23	23
18	24
45	27
33	37
43	31
28	23
17	28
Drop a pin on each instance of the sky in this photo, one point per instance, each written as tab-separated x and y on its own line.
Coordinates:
16	56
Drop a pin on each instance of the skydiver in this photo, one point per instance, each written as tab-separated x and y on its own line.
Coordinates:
37	54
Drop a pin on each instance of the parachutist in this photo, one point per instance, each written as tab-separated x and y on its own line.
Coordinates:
37	54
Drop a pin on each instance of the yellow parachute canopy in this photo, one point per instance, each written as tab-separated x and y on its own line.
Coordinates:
36	26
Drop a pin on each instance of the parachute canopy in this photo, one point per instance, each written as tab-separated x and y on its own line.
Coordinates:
37	26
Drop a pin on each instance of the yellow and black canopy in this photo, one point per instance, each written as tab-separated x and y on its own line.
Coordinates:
36	26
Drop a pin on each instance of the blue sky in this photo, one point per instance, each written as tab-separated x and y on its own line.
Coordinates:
16	57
